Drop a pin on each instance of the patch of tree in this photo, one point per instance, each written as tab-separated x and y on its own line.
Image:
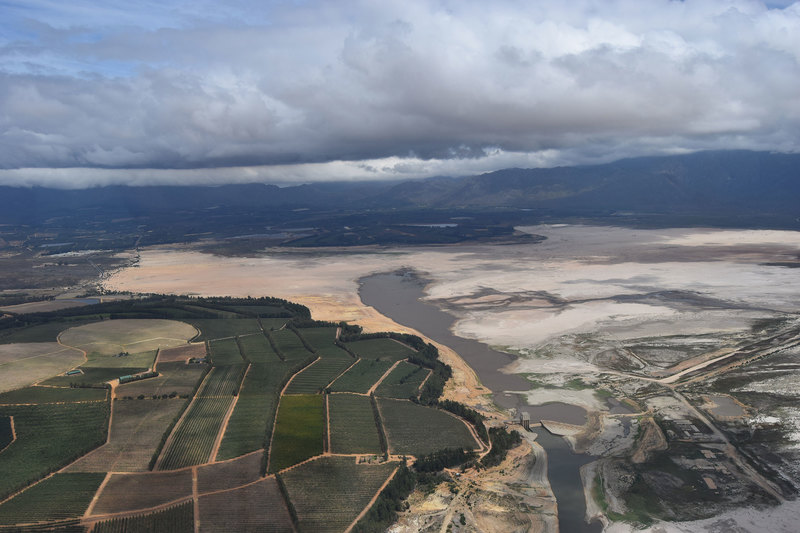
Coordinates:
137	377
441	459
384	512
381	433
470	415
502	441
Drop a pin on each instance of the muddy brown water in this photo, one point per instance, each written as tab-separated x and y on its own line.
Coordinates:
399	297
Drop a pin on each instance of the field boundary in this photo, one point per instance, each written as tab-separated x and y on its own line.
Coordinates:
195	501
227	418
91	520
167	442
383	377
96	496
13	434
327	447
372	501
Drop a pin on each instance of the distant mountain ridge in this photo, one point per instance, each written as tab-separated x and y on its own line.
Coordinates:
719	182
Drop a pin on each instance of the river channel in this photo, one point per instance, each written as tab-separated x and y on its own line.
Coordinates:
399	296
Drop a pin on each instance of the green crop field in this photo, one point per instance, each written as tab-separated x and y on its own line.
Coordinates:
318	375
361	377
404	381
59	497
254	413
222	381
233	511
383	349
48	437
299	430
354	486
178	378
220	328
131	492
6	435
225	352
321	339
408	428
26	363
41	395
353	428
136	430
177	519
258	350
290	345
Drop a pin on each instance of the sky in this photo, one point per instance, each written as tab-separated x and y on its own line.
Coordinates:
199	92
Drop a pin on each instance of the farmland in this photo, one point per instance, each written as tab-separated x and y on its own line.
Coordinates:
353	428
129	492
220	328
258	350
110	337
361	377
299	430
318	375
234	510
404	381
43	395
225	352
382	349
321	339
408	428
290	345
227	475
178	378
56	498
26	363
6	432
193	439
80	428
254	413
92	376
177	519
354	486
181	353
136	430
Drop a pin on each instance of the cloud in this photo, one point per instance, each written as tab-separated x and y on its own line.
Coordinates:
186	92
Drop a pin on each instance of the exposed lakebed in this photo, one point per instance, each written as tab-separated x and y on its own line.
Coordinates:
399	296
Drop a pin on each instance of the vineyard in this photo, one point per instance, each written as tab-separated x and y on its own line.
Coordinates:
136	430
35	453
56	498
225	352
220	328
258	350
255	410
408	428
321	339
402	382
130	492
227	475
177	519
382	349
362	376
234	510
44	395
178	378
290	345
193	439
353	428
299	431
317	376
354	486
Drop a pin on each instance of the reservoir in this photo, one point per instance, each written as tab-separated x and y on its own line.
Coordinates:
398	296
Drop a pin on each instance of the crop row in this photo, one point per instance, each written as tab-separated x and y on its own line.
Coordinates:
57	498
299	430
353	484
225	352
403	382
289	345
177	519
257	349
382	349
193	439
361	377
222	381
352	424
408	428
318	375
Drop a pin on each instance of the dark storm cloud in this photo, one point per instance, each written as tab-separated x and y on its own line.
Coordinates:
305	91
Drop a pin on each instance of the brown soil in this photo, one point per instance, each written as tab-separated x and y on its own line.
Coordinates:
129	492
181	353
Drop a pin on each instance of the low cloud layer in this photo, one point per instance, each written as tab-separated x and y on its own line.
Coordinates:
302	91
